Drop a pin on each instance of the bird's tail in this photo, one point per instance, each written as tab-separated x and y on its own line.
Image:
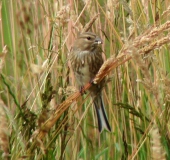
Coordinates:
101	113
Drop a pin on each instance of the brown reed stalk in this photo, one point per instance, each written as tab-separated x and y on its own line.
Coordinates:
90	23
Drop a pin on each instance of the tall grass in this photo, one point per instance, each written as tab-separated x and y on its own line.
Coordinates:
43	116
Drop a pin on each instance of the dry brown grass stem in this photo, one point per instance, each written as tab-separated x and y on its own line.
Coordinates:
89	24
156	44
124	55
110	23
127	51
87	3
60	109
112	62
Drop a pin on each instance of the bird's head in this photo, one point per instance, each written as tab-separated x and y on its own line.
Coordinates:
87	41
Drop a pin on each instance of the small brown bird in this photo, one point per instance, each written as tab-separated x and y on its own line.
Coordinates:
86	60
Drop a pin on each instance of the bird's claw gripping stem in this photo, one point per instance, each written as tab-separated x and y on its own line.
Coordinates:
82	90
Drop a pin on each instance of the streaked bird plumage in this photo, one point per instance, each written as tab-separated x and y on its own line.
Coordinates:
86	60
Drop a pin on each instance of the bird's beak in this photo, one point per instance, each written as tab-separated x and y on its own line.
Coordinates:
98	40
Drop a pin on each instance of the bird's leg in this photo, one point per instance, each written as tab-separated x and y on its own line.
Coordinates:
82	87
81	90
91	82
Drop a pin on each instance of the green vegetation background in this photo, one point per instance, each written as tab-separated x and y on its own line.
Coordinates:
35	77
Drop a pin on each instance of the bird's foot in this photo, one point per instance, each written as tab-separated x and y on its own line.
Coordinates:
82	90
92	82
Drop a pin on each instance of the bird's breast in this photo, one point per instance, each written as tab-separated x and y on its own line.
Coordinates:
85	65
83	75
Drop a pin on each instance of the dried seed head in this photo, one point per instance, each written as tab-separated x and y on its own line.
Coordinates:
157	149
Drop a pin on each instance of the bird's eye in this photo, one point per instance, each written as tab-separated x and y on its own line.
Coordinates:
89	38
